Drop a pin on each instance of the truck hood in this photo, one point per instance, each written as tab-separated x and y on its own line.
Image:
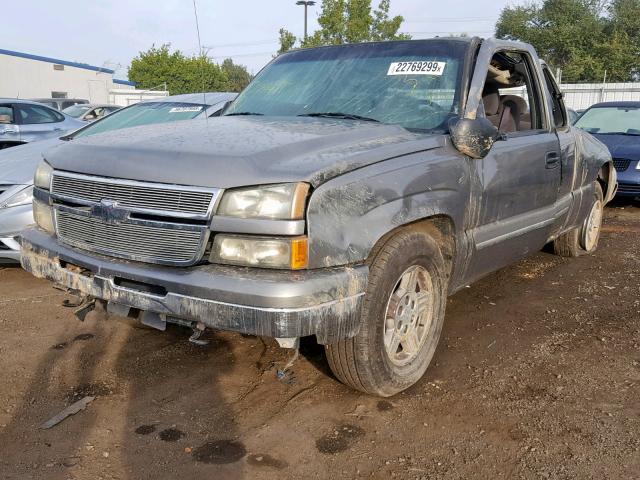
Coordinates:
18	164
228	152
622	146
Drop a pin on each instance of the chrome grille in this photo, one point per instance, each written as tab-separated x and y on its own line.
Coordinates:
621	164
145	243
193	202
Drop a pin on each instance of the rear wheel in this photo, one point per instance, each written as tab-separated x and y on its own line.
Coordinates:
583	239
401	319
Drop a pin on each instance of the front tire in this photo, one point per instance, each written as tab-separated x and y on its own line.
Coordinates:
401	319
584	239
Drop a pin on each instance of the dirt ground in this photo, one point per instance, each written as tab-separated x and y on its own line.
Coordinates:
537	376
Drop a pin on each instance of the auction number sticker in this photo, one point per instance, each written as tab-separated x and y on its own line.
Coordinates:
416	68
185	109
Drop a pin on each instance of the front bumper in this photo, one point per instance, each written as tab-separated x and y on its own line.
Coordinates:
271	303
628	189
629	181
12	221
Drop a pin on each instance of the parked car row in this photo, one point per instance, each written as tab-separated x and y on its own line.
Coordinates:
17	165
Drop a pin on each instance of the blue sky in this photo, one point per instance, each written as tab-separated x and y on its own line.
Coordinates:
111	32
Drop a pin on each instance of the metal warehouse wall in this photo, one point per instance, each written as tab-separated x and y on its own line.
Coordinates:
28	78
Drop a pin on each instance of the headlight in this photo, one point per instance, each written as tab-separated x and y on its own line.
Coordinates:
42	178
638	165
22	197
265	252
43	215
275	202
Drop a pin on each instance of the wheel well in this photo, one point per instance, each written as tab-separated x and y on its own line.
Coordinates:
603	177
440	227
10	144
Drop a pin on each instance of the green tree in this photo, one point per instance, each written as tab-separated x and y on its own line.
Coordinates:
287	40
237	75
584	38
182	74
349	21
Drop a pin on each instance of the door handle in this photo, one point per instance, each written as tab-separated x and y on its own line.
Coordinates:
552	160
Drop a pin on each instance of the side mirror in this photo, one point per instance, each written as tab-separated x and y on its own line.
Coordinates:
473	137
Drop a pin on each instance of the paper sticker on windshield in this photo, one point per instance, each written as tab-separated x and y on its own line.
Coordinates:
416	68
185	109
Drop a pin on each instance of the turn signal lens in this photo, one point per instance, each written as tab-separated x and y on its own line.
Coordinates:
299	253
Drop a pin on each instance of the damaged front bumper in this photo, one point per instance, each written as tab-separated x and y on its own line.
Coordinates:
272	303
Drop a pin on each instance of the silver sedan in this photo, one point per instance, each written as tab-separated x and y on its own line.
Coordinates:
23	121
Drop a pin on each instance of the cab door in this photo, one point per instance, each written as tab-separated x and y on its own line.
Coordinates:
518	181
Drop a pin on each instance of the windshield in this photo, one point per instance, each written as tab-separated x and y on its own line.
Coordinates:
413	84
144	113
76	110
610	120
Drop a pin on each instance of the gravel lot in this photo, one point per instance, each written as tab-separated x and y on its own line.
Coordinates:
537	376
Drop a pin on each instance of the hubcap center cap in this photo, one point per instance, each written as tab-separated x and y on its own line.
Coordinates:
406	312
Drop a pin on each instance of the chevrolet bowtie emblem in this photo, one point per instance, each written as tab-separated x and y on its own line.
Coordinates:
109	212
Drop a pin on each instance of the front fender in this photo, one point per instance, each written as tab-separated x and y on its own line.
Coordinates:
596	158
348	215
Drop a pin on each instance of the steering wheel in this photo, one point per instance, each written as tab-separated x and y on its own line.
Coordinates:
431	104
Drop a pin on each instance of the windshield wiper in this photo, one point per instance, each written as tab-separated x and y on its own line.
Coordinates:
242	113
618	133
345	116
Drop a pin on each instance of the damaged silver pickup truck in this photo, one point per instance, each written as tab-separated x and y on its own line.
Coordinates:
345	193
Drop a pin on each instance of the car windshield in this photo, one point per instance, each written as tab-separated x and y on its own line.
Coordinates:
623	120
144	113
413	84
76	110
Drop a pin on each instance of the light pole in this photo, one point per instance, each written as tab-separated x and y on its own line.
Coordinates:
306	4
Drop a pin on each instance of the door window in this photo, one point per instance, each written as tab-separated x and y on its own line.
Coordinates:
37	114
510	99
558	108
6	115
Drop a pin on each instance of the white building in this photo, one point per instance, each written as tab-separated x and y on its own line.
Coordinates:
23	75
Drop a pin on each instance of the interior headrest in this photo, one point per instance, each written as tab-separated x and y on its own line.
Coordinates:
491	103
519	101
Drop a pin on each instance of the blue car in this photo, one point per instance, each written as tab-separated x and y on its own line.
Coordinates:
617	125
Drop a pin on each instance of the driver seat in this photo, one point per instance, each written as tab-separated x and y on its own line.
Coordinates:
501	114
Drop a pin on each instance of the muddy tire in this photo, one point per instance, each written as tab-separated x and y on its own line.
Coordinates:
401	319
583	239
